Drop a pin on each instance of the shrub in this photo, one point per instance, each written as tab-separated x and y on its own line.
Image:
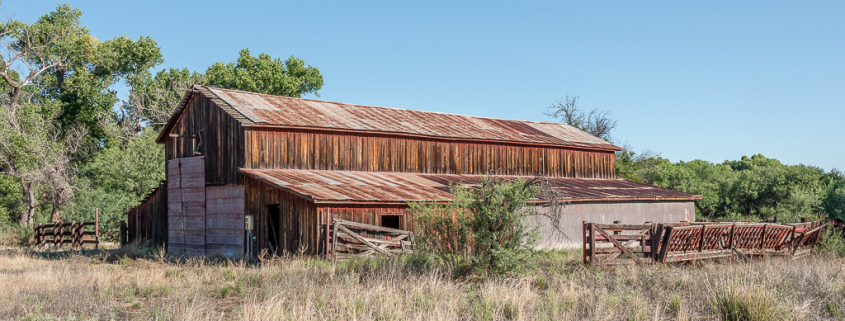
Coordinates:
16	235
831	242
484	226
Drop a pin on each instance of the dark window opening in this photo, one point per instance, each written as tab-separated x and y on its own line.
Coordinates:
273	227
391	221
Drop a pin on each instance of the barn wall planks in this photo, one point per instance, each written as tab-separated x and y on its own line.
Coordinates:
148	220
297	218
219	135
367	214
289	149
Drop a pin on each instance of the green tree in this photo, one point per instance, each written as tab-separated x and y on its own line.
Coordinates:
266	75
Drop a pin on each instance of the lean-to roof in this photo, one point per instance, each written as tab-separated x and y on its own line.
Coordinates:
322	186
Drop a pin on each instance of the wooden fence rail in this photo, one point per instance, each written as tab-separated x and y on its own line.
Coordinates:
606	244
73	233
351	239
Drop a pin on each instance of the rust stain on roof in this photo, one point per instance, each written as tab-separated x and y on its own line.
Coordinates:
268	110
323	186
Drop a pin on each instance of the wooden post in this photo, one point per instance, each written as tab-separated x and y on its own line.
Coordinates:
592	243
57	227
73	238
584	241
37	234
96	228
122	233
616	232
334	241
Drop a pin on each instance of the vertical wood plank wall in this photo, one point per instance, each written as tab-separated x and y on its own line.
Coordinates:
297	217
222	138
148	220
277	149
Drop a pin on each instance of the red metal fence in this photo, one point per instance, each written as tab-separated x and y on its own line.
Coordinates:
675	242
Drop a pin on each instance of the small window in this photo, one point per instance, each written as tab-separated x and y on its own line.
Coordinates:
391	221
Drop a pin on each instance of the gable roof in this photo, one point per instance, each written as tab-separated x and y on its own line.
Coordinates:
261	110
325	186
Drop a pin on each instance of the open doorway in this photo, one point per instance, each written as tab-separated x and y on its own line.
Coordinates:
392	221
273	227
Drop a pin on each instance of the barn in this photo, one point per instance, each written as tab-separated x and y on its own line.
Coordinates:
296	164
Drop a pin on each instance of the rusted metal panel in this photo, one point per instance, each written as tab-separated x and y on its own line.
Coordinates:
323	186
569	232
288	112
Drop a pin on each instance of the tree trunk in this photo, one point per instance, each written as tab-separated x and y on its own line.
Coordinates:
28	216
14	97
56	215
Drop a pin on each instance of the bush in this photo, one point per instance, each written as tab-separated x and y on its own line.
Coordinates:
831	242
483	228
16	235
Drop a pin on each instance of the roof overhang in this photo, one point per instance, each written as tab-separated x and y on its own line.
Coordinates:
389	188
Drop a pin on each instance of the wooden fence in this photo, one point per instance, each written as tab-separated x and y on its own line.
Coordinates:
73	233
351	239
147	222
606	244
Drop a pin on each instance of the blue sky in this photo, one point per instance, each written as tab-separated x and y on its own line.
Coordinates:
711	80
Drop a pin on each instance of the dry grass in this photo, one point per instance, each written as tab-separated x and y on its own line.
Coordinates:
99	286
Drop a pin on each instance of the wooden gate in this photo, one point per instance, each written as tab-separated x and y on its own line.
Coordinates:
351	239
619	243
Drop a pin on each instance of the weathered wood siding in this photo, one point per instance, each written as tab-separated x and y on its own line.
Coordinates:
290	149
221	135
297	218
148	220
367	214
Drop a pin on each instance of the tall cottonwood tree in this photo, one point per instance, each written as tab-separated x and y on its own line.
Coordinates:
34	149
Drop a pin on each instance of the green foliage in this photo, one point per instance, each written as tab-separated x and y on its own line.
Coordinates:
754	187
831	242
135	168
156	96
484	225
266	75
116	180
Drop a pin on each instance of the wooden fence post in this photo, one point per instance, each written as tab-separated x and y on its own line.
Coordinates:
37	234
73	237
96	228
57	228
584	241
592	243
334	241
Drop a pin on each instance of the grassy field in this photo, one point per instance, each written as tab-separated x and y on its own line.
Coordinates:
113	285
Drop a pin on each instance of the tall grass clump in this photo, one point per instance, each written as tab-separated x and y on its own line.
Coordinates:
739	300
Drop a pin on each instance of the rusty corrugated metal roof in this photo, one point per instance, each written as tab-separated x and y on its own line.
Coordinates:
268	110
323	186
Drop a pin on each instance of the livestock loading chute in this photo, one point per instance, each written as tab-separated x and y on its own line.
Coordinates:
608	244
